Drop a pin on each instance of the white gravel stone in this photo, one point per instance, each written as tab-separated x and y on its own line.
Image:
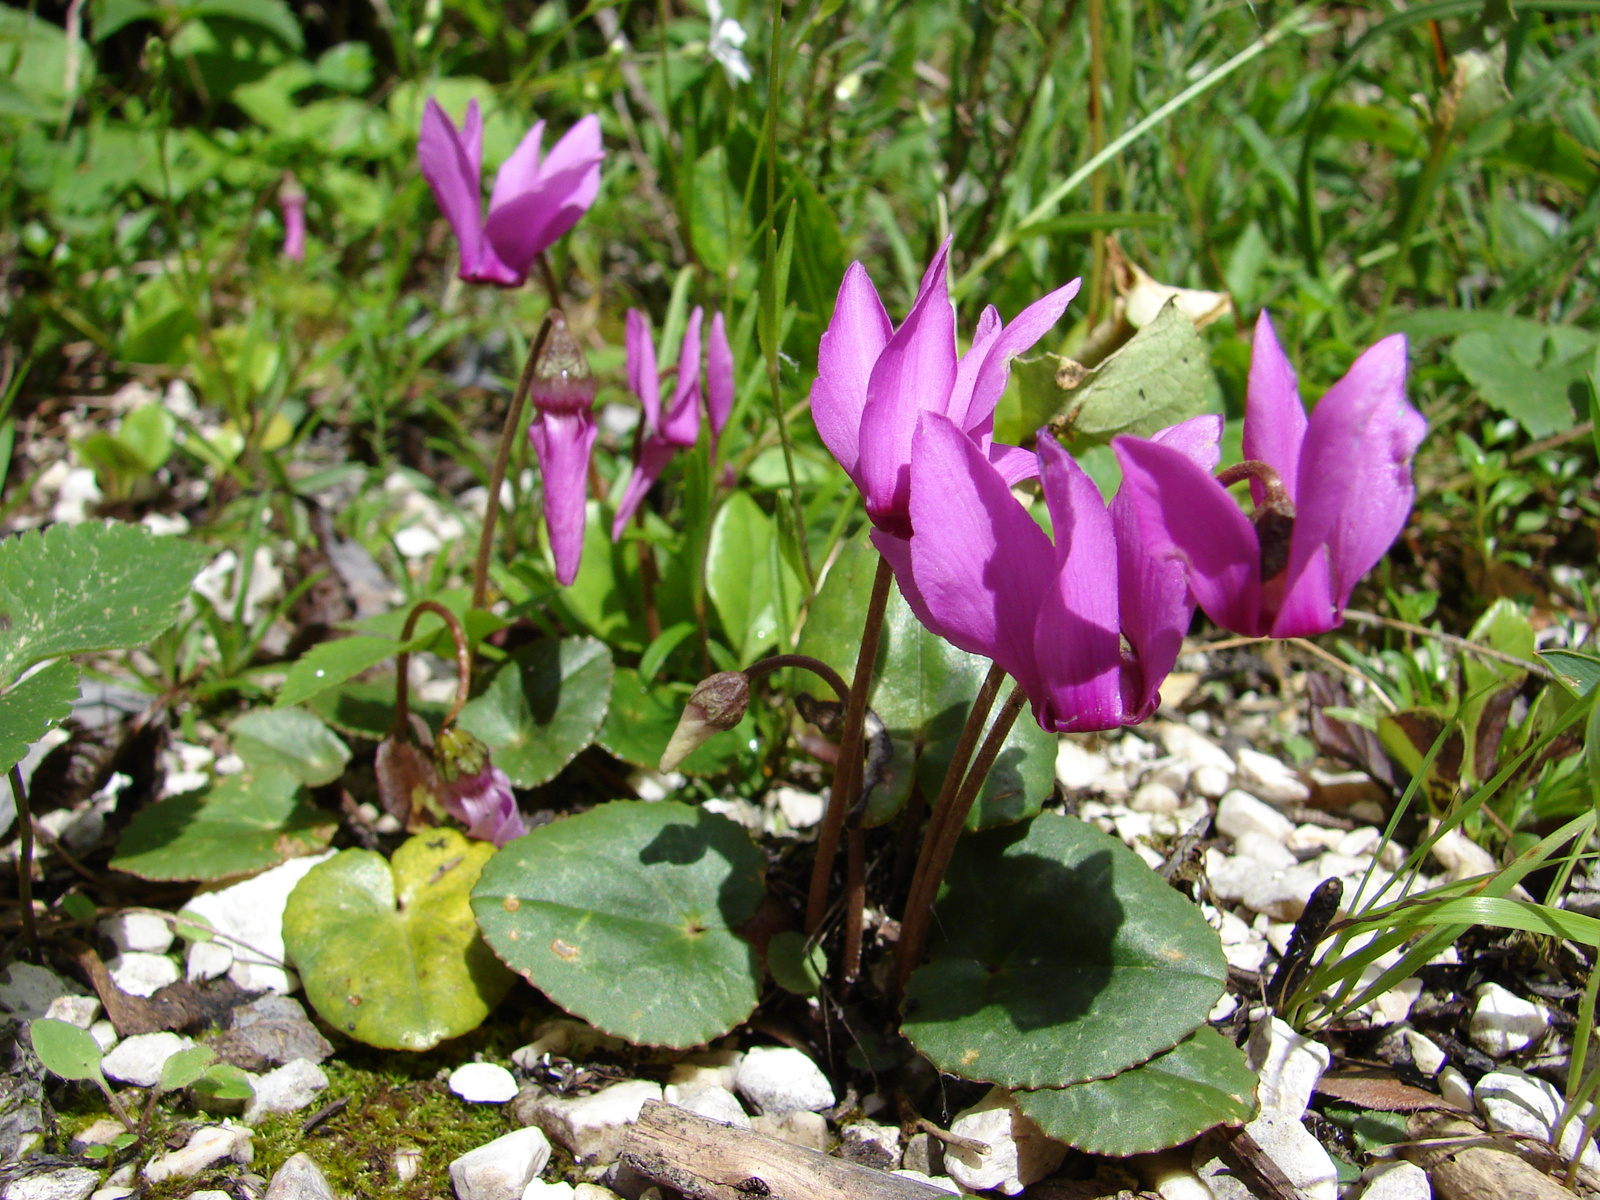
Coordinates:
1281	894
102	1133
1289	1066
143	974
801	809
1503	1023
943	1182
27	991
483	1083
1359	841
501	1169
1512	1102
710	1068
1246	956
1455	1089
1190	746
538	1189
716	1104
1155	797
1078	768
141	933
138	1059
207	1145
1210	782
1275	782
290	1088
1460	856
298	1179
1425	1053
1268	851
1223	1009
1396	1181
64	1183
105	1035
1239	813
112	1193
74	1010
252	911
1393	1006
885	1137
207	960
780	1079
1315	838
592	1127
1297	1154
808	1130
1019	1153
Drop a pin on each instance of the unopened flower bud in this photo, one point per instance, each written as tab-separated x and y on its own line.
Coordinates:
715	706
561	379
476	792
456	753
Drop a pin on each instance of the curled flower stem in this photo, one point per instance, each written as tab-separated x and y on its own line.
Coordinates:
30	930
936	854
806	663
847	773
502	459
402	701
1277	496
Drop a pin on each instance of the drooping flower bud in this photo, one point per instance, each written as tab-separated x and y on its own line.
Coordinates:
561	379
563	432
715	706
292	202
474	791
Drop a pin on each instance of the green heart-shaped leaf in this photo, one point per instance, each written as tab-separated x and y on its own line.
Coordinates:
390	954
243	824
293	739
1060	957
542	707
1202	1082
625	916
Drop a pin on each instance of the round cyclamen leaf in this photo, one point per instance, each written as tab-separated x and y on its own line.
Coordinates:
1058	956
390	954
243	824
1202	1082
625	916
293	739
542	707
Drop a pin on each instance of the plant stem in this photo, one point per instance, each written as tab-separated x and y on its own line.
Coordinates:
30	930
936	853
957	770
402	709
855	900
806	663
847	771
1097	142
502	458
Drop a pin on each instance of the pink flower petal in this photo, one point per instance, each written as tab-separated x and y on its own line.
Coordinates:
914	373
1304	602
535	201
1076	636
681	425
980	567
562	442
1355	470
1031	324
1013	462
1181	512
971	363
856	335
643	379
719	376
654	455
451	168
1274	417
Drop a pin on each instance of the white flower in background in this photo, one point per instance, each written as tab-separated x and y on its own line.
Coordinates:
727	35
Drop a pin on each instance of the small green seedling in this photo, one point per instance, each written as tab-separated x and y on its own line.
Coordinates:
69	1052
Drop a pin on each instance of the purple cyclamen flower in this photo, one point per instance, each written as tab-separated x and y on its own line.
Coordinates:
1090	625
665	433
473	790
563	432
874	381
292	202
536	198
1331	494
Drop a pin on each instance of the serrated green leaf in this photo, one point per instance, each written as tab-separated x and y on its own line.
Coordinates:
243	824
1202	1082
392	957
33	707
66	1050
293	739
1058	957
328	664
542	707
626	915
93	586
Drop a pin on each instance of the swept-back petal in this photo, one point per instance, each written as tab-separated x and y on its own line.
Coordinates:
856	335
643	379
1181	512
1077	643
719	376
654	455
1152	587
449	163
472	140
1305	606
681	425
524	226
519	174
1355	469
1013	462
971	362
980	567
562	442
914	374
1031	324
1274	418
